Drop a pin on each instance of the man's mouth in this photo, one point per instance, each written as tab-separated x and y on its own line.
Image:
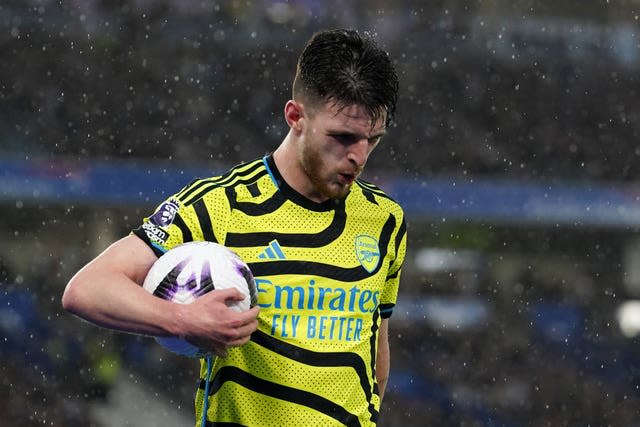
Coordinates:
346	178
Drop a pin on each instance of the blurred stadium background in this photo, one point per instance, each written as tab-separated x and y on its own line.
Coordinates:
515	152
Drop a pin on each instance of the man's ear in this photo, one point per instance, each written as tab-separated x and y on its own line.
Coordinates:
294	115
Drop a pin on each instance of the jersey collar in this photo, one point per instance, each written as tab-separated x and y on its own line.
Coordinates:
291	194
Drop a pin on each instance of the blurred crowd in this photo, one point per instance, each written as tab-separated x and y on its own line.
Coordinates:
58	370
484	91
44	368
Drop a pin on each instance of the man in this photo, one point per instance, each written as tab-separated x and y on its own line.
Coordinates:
326	250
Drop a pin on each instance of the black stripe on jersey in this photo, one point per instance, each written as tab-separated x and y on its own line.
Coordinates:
345	274
205	221
374	356
366	186
205	189
186	232
401	232
314	358
369	196
254	209
394	275
300	240
204	185
282	392
369	186
253	189
272	268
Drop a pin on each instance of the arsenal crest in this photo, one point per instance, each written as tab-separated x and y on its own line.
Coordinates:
368	252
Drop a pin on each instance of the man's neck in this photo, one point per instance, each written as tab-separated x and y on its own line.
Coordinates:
288	164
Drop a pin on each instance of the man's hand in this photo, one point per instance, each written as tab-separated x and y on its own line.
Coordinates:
210	324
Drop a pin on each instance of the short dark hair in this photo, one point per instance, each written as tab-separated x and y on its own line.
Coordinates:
343	66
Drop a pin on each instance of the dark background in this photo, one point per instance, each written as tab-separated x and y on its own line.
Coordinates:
511	311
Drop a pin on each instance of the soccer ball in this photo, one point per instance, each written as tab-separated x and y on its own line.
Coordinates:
192	269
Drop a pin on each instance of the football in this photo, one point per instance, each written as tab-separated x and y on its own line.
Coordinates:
192	269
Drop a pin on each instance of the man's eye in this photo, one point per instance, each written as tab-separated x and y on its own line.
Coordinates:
344	139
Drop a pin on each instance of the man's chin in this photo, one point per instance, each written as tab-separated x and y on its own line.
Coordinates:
338	191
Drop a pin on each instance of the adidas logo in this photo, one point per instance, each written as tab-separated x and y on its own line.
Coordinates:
273	251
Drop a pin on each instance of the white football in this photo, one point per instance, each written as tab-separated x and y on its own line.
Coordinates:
192	269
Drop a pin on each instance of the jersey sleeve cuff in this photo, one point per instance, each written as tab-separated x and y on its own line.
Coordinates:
386	310
158	250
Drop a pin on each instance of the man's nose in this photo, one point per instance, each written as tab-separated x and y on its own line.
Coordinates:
359	152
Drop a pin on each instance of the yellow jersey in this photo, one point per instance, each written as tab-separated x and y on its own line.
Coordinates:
326	274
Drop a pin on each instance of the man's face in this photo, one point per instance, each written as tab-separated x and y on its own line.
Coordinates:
335	145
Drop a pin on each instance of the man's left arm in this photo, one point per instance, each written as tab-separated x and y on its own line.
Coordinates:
383	360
